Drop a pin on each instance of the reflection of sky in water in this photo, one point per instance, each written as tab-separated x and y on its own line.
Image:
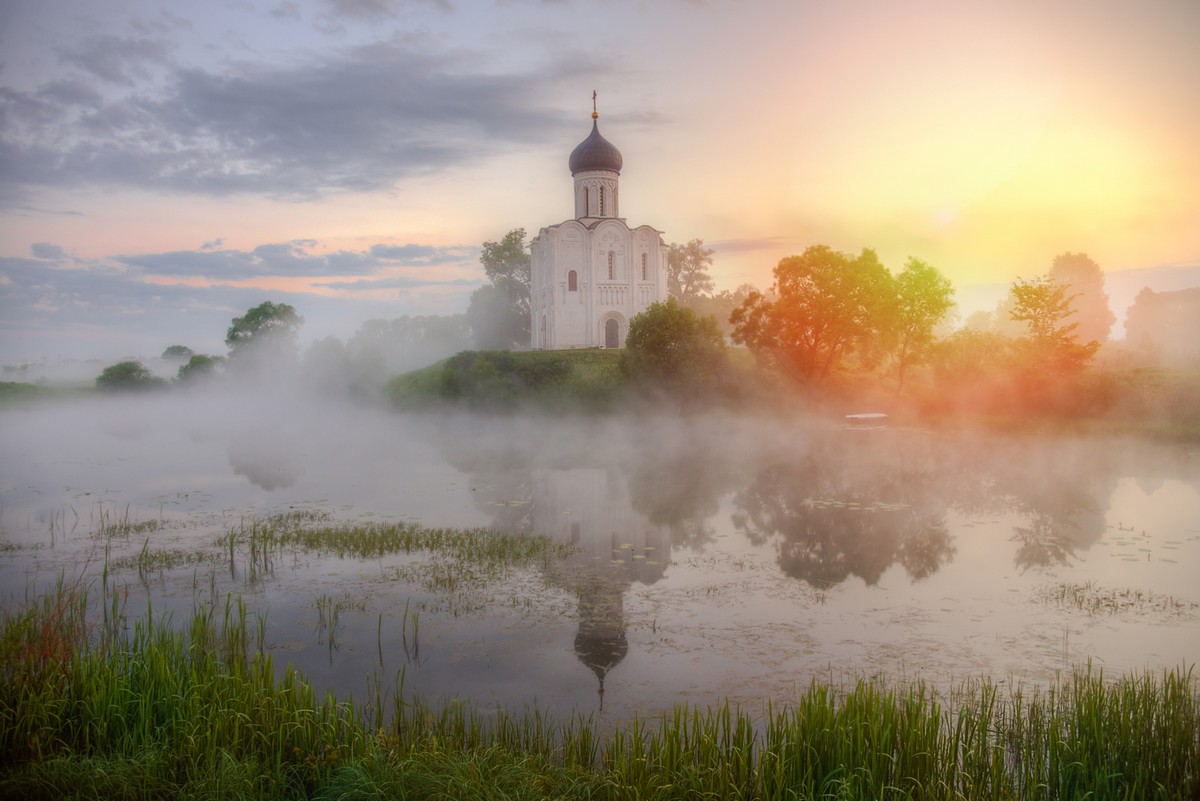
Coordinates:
716	558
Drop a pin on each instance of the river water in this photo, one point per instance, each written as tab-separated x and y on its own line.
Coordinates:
712	557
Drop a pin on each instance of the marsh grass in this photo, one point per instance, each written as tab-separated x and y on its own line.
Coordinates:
197	708
1094	599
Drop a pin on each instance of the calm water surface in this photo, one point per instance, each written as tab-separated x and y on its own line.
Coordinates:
712	557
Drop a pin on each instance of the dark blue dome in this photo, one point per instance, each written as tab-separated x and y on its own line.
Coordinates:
595	153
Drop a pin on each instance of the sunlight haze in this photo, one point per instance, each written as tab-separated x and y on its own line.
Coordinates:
164	167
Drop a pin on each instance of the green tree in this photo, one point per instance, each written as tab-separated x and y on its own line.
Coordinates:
499	313
198	367
177	352
687	271
672	348
826	304
1085	281
265	336
924	297
126	377
1044	305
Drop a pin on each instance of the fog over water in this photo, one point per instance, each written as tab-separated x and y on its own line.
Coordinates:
711	556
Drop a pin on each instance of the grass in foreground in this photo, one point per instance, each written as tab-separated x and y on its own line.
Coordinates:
159	710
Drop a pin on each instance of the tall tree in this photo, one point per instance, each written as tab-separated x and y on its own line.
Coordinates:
924	297
1085	282
499	313
687	271
264	338
1052	344
826	305
270	323
673	348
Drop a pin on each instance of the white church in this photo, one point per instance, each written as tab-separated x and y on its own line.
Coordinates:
591	274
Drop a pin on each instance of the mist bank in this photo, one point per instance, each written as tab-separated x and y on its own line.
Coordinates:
1154	401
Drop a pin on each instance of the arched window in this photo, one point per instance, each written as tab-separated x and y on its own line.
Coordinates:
572	281
611	267
643	266
602	201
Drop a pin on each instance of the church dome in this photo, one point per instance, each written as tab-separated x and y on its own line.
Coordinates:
595	153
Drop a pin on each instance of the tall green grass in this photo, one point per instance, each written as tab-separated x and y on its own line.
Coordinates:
198	708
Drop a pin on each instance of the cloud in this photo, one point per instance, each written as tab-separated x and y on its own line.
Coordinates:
377	9
117	59
293	258
106	309
274	259
423	254
358	120
403	282
45	250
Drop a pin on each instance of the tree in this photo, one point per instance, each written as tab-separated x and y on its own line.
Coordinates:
1043	303
671	347
924	297
198	367
826	305
264	336
1084	279
721	305
687	271
128	376
499	313
1165	326
177	352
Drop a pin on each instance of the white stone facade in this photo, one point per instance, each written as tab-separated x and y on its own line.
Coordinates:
589	276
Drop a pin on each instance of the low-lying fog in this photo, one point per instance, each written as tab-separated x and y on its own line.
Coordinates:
713	557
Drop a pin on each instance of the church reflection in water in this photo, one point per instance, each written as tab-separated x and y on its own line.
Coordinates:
615	546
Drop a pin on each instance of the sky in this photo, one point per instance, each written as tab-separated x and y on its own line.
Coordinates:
166	166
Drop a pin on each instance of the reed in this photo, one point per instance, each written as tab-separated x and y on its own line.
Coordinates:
198	708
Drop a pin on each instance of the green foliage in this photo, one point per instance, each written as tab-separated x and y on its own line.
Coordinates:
131	376
269	326
827	304
499	313
1052	345
178	352
574	380
924	297
671	348
199	366
16	392
687	271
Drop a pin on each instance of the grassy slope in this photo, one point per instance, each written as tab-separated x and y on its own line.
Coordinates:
13	393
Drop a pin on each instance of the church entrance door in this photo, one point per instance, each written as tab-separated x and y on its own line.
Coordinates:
611	331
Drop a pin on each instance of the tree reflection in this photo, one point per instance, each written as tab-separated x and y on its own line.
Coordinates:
831	520
1054	486
267	465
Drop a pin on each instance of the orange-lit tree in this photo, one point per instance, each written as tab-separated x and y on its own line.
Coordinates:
826	305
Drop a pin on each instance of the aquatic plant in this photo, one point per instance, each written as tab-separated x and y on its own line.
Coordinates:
198	708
